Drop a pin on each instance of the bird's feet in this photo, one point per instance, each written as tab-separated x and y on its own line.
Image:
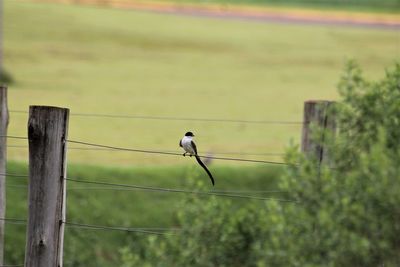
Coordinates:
184	154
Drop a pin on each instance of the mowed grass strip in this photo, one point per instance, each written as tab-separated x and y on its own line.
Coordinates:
113	61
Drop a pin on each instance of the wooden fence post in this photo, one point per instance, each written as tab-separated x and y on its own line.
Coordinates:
47	134
317	113
1	37
3	162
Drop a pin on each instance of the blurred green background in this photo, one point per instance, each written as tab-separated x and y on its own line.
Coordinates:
95	59
356	5
125	62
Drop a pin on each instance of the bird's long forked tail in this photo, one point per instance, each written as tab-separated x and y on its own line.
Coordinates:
205	168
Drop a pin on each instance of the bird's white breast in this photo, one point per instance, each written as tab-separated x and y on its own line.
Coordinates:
187	145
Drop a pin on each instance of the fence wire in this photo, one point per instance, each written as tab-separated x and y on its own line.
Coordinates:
147	151
172	153
172	118
170	190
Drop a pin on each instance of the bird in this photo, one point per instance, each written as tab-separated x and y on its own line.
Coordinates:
190	148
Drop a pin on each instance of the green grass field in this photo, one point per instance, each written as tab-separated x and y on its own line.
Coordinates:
109	61
101	205
99	60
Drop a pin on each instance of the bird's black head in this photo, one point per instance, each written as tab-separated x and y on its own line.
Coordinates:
189	134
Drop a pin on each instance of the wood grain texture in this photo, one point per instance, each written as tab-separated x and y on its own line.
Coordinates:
47	132
317	114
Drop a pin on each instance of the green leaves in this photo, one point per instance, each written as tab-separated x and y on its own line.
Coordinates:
349	212
352	207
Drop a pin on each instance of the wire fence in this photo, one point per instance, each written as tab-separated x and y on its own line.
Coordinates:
172	118
171	190
14	137
15	175
153	231
211	191
143	230
168	151
172	153
132	187
111	188
148	151
105	185
14	221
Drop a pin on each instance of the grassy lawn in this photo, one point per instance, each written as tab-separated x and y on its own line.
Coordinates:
99	60
99	205
110	61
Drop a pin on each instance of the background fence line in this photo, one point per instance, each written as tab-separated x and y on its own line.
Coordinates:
171	153
171	190
156	151
132	187
112	188
144	230
170	118
167	151
235	194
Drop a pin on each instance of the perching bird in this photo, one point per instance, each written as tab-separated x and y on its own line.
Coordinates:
190	147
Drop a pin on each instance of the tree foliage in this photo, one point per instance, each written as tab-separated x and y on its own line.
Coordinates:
350	210
347	213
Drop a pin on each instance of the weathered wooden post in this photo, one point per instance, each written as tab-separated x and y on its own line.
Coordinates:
1	38
317	113
3	162
47	134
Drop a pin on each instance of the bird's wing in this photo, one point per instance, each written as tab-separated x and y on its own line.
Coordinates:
180	143
194	147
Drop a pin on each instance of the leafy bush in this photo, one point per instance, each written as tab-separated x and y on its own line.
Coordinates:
348	213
